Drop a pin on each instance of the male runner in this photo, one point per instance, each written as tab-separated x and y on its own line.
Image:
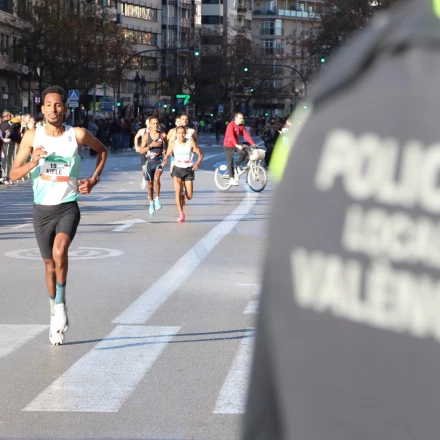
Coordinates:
54	169
152	148
183	171
137	143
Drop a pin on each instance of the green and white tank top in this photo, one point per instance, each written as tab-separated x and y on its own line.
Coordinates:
55	178
182	154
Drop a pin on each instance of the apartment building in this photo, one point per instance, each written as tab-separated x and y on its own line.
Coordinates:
138	86
15	90
278	28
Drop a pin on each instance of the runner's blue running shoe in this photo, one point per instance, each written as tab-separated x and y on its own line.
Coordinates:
157	204
151	210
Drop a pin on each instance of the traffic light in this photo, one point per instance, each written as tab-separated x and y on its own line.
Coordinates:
252	89
196	52
118	103
323	60
165	106
246	69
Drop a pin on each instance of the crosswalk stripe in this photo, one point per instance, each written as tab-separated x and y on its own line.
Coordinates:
13	337
103	379
251	308
232	397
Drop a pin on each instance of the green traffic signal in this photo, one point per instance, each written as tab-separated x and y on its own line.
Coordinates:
245	69
118	103
252	90
196	52
323	60
165	106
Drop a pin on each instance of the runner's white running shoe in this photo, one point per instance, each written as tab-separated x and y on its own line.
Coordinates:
157	204
143	183
59	323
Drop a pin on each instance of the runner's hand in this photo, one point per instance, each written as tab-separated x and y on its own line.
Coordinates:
85	186
39	153
195	167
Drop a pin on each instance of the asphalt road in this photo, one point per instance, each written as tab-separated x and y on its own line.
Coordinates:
161	314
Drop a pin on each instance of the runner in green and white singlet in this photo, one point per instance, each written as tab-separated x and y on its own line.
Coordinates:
54	168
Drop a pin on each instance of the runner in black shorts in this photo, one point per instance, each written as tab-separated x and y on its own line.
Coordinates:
183	170
54	168
152	148
50	220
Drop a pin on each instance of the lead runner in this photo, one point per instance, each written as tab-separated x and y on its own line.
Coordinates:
54	168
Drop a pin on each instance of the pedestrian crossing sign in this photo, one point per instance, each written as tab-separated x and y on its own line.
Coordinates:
73	95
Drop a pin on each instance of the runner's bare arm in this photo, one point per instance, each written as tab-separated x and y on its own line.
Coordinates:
167	155
138	135
84	137
198	151
143	148
19	167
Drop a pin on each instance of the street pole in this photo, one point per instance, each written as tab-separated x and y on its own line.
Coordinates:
125	63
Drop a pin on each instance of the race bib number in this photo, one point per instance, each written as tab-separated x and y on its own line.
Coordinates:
55	171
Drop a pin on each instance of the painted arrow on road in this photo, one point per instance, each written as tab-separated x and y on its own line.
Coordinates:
125	224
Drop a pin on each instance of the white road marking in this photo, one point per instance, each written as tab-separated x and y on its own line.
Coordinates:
24	225
103	198
13	337
103	379
232	397
143	308
256	287
251	308
126	224
122	190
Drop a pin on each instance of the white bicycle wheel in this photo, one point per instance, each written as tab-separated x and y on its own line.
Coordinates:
257	178
221	180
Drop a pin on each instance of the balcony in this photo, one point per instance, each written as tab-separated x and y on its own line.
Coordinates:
285	13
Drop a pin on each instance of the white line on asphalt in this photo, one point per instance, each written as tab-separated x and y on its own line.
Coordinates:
256	287
24	225
251	308
13	337
126	224
122	190
103	379
232	397
143	308
103	198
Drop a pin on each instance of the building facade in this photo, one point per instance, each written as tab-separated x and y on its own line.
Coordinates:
278	29
15	77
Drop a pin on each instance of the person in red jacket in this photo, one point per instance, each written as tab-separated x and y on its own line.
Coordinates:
231	144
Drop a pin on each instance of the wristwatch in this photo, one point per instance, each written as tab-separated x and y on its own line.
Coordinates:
97	177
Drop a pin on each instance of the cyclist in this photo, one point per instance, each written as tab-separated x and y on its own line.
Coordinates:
231	145
152	147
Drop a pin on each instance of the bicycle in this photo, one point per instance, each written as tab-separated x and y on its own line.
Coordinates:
256	176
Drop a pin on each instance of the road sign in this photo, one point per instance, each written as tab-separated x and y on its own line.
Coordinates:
159	105
73	104
184	97
106	104
221	108
73	95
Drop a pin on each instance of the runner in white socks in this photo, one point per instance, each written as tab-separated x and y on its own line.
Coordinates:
183	171
54	168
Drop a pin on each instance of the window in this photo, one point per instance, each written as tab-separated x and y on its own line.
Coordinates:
142	37
210	2
212	19
272	27
139	12
6	5
272	47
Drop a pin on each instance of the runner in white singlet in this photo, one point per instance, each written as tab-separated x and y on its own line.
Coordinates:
184	167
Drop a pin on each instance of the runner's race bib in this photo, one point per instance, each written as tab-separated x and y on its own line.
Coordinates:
55	170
